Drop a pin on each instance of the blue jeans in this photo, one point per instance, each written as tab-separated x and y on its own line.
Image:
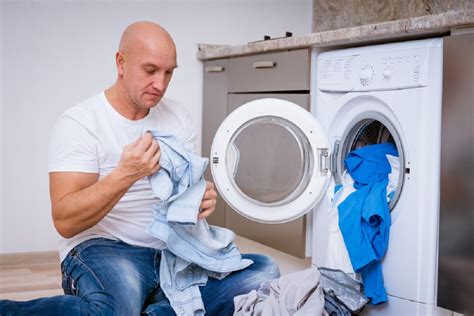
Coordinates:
109	277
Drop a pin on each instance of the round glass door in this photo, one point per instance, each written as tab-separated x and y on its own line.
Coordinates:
276	170
265	160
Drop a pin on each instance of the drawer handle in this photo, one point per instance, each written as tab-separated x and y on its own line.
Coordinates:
215	69
264	64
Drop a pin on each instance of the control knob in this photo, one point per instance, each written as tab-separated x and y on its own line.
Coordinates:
366	74
387	74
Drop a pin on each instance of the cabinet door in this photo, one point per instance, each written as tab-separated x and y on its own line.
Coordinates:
214	112
289	237
456	222
281	71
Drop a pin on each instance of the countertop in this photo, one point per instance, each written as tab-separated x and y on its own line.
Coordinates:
418	27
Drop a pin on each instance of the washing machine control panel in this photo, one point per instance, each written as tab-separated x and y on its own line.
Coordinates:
374	71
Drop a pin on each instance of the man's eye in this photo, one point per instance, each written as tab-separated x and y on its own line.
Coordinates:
150	71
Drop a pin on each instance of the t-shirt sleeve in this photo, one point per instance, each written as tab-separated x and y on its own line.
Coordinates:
72	148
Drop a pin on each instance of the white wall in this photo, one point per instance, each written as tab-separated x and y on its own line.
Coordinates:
57	53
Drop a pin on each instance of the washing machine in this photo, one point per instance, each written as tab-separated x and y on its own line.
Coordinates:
390	93
360	96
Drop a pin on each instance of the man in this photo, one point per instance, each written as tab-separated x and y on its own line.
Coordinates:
101	199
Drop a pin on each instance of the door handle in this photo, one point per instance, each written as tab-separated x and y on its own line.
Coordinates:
264	64
234	158
215	69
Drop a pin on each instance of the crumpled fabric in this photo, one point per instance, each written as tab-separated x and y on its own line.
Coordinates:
346	289
297	294
194	250
337	256
334	307
364	217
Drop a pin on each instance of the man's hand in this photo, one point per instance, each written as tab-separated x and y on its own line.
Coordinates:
139	159
209	200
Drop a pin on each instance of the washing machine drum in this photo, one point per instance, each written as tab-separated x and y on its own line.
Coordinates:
268	160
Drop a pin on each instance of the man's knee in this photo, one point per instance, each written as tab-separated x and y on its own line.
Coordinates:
102	303
271	267
264	264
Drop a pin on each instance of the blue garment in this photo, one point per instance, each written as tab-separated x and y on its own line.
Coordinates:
364	216
333	307
111	278
194	251
181	185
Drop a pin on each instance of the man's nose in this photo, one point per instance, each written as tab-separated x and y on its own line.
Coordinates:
159	82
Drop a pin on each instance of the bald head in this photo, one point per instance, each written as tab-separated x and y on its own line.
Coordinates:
143	34
145	64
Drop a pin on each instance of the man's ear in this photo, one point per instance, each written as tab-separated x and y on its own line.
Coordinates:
119	61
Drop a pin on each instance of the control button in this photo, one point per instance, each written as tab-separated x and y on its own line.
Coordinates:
387	74
366	75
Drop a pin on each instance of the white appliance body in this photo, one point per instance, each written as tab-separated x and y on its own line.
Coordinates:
400	85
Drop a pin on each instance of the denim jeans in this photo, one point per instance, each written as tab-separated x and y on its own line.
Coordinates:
108	277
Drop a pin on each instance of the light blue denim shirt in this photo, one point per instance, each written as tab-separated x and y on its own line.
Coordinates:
194	250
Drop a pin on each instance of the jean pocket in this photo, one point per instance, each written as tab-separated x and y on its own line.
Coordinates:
69	285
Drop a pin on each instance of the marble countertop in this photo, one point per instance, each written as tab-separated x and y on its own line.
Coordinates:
423	26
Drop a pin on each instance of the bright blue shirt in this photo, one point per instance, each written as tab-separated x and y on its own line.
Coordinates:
364	216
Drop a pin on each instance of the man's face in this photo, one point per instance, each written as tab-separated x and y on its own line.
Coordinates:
146	73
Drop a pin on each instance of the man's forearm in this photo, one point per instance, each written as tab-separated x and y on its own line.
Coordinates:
78	211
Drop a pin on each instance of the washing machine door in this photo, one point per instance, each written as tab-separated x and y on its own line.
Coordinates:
270	160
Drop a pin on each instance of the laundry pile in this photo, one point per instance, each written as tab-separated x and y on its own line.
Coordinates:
359	232
307	292
360	219
194	251
359	223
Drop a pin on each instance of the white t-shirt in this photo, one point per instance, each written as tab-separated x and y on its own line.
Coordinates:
90	138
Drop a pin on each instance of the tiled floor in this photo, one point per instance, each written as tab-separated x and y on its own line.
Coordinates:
28	276
287	263
33	275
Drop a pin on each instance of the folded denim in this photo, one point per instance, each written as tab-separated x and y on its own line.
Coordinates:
194	250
